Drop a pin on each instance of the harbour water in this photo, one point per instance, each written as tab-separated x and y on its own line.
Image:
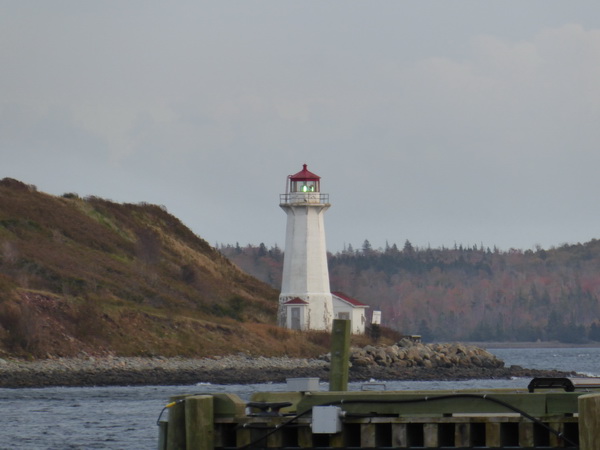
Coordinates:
125	417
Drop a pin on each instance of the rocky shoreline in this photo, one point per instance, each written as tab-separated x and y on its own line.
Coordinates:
402	361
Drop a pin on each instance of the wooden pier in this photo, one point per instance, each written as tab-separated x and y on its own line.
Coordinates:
495	419
545	415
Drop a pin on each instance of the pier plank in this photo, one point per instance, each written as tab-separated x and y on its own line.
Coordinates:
430	435
526	436
305	437
556	441
338	440
243	437
562	403
492	434
399	435
462	435
368	438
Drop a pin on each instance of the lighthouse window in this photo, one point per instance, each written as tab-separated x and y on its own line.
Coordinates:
304	186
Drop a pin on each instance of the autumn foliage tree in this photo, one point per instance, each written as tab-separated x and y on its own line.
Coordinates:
465	293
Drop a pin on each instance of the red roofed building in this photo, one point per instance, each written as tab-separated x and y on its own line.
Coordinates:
348	308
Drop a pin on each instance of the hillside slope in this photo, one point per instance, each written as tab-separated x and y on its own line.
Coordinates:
90	275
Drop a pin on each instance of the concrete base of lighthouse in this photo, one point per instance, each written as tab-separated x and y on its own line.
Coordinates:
306	312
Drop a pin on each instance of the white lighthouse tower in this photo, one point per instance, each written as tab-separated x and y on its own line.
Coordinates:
305	302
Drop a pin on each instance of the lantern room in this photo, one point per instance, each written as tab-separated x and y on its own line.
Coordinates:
304	181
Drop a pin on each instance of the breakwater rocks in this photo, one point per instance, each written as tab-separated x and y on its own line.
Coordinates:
403	361
407	353
409	360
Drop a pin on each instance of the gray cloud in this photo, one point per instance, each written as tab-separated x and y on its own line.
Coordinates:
431	122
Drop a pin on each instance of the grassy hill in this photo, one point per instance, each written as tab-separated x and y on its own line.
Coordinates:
90	275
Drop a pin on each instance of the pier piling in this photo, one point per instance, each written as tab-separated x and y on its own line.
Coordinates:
176	424
589	421
199	429
340	355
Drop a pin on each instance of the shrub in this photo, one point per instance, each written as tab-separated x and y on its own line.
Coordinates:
88	319
70	195
23	328
281	334
320	338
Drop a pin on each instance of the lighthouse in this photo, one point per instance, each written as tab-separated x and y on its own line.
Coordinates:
305	302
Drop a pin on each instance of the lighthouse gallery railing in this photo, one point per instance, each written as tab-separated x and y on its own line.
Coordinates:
304	197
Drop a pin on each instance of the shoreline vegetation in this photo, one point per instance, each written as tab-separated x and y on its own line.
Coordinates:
402	361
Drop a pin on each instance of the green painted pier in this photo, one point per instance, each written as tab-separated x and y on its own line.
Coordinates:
548	414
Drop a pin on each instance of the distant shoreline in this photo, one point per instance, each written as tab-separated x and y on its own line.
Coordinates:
542	344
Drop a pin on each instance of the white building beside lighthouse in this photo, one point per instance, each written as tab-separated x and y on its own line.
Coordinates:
305	302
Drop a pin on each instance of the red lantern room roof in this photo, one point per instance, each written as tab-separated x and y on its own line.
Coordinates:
304	175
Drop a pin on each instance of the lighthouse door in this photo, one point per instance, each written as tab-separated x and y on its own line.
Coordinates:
296	318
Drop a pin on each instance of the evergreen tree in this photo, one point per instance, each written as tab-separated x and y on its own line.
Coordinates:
594	332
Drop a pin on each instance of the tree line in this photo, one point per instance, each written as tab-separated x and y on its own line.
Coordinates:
462	293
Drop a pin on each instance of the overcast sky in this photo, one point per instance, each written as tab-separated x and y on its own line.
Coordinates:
440	122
